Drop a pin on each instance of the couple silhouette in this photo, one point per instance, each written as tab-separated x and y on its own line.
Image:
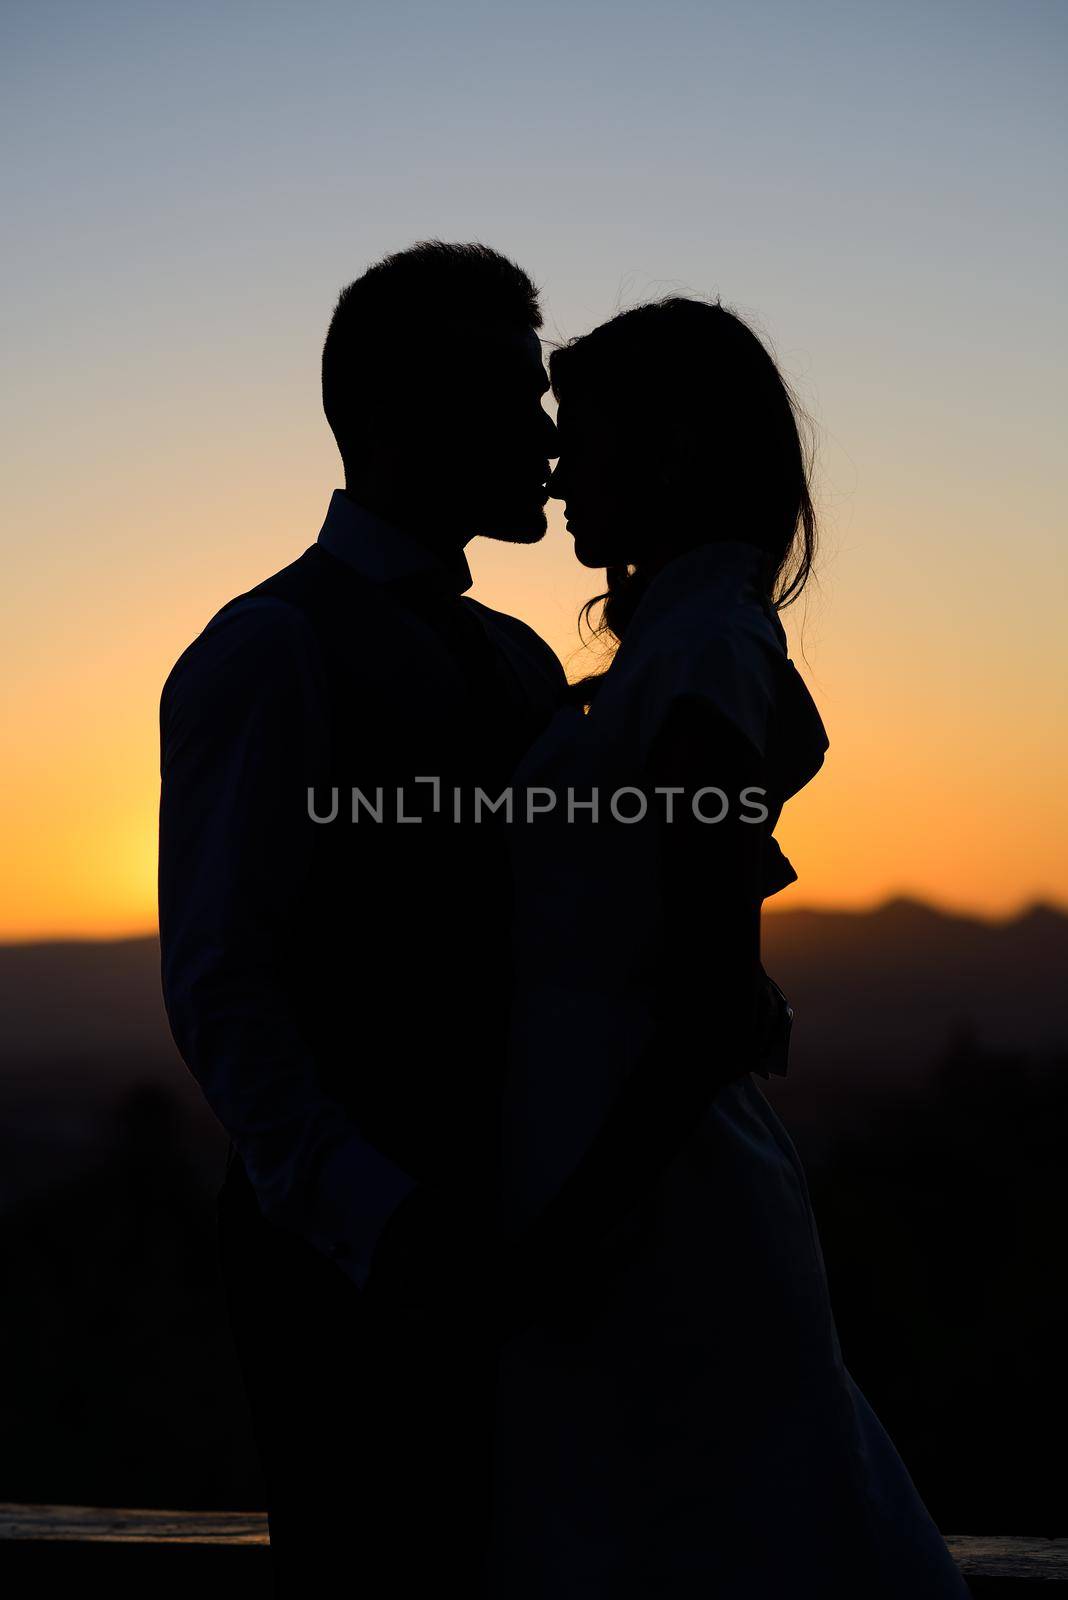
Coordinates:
521	1268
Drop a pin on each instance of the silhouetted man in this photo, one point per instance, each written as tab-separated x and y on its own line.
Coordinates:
334	929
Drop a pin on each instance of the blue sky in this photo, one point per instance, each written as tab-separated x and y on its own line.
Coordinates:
879	188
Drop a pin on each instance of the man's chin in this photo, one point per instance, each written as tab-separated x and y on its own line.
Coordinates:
519	525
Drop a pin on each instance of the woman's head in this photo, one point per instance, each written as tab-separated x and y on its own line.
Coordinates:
676	429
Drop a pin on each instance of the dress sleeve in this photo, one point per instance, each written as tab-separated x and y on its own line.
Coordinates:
738	667
731	666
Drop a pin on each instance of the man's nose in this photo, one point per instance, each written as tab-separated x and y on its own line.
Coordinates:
554	487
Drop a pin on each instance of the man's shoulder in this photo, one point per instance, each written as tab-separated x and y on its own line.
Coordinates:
520	636
248	642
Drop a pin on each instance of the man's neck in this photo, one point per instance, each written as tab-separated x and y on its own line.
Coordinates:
424	523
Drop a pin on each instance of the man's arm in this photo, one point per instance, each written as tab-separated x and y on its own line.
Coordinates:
243	730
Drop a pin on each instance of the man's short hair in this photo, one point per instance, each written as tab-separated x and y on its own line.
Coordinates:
384	317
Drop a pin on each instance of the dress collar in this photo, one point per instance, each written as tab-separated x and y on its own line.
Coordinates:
710	560
735	560
381	551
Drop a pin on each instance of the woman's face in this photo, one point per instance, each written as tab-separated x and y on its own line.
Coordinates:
606	493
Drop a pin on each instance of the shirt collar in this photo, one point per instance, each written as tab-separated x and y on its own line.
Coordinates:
381	551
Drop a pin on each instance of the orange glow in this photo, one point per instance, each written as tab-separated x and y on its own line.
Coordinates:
870	189
937	783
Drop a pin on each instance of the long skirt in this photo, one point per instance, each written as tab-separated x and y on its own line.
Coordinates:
679	1423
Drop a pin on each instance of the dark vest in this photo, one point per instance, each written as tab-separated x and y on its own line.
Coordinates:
396	950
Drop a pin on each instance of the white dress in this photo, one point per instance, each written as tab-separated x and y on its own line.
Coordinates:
683	1425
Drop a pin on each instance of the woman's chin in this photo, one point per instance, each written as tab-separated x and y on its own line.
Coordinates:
591	553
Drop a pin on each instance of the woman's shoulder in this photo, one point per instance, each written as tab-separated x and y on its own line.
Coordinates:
710	596
718	641
705	631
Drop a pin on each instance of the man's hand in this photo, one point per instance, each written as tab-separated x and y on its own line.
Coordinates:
442	1258
433	1253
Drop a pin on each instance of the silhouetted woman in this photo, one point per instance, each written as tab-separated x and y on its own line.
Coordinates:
674	1416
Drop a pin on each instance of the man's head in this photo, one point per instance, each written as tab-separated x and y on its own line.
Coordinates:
433	385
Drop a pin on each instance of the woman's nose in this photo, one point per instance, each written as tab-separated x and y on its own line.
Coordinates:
554	486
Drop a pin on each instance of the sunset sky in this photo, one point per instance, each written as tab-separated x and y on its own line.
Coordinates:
879	188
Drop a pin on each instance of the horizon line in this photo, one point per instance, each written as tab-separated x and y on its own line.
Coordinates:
1026	908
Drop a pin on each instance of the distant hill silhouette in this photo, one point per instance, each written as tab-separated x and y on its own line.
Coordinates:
878	995
881	990
82	1025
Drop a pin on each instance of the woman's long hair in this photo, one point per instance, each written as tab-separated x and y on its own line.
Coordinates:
694	364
